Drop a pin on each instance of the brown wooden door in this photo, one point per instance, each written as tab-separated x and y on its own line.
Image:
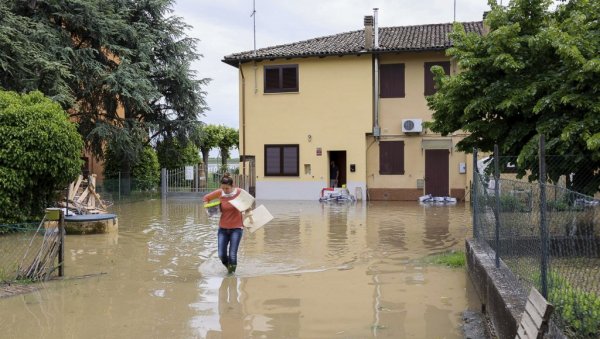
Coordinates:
437	172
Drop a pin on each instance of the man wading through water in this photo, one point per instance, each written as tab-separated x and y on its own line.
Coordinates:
231	226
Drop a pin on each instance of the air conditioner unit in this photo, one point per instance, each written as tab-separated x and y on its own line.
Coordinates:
412	125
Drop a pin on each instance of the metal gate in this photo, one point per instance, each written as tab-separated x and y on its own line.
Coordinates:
192	181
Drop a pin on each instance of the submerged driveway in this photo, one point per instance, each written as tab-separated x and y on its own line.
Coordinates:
318	270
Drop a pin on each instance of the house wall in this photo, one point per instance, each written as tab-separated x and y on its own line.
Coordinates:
333	106
392	111
93	165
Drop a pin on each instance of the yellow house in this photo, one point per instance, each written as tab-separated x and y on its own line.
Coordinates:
356	99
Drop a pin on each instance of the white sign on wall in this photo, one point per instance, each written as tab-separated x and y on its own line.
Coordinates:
189	172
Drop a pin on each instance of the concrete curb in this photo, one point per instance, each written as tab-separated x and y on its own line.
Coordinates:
502	295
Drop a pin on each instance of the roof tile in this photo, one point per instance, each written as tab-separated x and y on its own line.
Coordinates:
391	39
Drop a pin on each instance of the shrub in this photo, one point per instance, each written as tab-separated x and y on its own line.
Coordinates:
508	203
40	152
577	309
146	171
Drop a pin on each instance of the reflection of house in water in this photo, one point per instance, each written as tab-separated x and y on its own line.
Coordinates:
389	230
337	235
437	235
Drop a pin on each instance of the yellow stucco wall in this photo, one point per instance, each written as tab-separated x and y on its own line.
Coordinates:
412	106
333	106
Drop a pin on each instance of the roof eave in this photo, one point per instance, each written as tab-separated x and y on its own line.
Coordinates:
235	62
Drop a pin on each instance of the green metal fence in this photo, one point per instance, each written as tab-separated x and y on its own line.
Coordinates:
546	233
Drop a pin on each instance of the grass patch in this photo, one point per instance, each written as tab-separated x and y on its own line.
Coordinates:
453	259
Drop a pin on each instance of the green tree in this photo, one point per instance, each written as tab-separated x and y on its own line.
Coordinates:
122	68
40	153
172	154
537	72
30	56
146	172
208	138
229	139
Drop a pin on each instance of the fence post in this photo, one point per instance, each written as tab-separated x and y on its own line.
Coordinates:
497	194
61	245
474	197
196	178
163	183
119	185
543	224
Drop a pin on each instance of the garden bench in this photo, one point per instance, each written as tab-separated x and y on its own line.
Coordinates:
535	317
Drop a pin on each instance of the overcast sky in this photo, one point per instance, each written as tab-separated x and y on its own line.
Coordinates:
224	27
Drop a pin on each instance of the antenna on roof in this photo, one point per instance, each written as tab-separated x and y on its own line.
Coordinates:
454	20
253	15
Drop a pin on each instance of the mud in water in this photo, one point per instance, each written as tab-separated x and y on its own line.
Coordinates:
316	271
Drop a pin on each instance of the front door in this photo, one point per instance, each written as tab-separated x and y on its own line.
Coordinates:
437	172
339	158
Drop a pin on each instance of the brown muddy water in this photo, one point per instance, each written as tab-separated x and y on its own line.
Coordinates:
316	271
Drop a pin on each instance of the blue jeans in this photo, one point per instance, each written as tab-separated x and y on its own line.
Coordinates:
231	237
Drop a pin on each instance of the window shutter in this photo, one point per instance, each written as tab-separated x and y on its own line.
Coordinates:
282	78
289	79
391	80
272	160
391	157
290	160
282	160
271	79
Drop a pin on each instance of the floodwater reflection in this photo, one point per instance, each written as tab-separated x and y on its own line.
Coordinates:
316	271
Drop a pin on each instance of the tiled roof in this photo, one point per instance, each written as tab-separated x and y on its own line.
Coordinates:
391	39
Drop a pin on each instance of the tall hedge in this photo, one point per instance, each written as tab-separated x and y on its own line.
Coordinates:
40	152
144	174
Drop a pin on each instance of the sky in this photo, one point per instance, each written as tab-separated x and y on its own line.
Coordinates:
224	27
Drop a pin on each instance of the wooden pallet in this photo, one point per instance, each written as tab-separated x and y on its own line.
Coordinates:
83	196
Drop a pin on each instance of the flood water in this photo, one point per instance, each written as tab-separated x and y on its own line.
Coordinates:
316	271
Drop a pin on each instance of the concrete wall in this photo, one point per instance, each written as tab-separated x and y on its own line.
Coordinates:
502	295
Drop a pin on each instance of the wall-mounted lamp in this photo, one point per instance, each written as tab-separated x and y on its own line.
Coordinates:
309	137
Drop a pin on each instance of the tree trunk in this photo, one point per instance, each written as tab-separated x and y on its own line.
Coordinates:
224	158
205	160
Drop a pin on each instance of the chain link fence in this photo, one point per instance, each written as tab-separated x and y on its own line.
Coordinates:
15	240
546	232
119	186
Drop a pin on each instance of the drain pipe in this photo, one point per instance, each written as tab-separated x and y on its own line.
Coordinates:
376	128
243	157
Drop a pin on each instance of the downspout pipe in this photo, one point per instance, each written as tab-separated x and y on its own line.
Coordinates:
243	157
376	127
